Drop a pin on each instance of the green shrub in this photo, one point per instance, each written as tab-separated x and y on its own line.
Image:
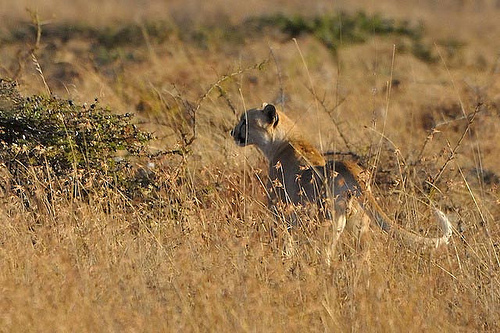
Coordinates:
76	144
334	30
108	37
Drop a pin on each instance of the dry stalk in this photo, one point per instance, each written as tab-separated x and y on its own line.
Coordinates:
281	97
382	136
40	72
311	88
35	20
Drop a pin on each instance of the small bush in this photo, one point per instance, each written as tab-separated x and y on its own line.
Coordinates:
44	137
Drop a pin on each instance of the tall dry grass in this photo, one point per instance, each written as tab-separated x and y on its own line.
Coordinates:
209	262
205	254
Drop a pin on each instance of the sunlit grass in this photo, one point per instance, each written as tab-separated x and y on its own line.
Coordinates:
198	250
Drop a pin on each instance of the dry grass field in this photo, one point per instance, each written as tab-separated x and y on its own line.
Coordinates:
414	93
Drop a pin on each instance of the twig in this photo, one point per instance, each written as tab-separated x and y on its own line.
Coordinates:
330	112
223	94
224	78
35	19
435	130
193	110
427	140
453	152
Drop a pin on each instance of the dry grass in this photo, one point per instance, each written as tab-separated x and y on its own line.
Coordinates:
204	258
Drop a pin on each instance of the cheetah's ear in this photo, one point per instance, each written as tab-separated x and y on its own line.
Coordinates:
272	114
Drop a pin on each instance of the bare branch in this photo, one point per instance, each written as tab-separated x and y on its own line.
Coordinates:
453	151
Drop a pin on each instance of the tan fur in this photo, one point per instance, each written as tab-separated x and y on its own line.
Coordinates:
299	175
